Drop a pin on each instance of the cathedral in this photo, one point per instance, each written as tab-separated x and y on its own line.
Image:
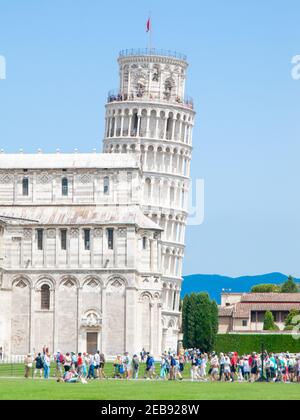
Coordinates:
92	245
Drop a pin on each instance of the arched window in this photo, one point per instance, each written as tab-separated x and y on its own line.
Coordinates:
65	187
135	123
144	242
45	297
106	186
25	187
169	84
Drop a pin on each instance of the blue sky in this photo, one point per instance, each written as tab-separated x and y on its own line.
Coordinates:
61	62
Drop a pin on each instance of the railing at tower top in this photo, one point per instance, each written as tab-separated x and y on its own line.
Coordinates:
117	96
153	52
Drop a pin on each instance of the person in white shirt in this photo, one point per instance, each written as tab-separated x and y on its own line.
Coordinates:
214	367
227	368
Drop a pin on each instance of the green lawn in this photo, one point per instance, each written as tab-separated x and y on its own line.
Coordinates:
14	387
21	389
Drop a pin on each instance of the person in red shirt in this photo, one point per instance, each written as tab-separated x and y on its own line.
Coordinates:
234	362
79	365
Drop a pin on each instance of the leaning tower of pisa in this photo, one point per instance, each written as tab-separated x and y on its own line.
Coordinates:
151	115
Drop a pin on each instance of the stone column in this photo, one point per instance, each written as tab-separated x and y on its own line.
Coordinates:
56	318
139	125
104	330
68	247
152	328
31	320
159	329
79	316
129	123
173	128
148	125
180	130
131	320
165	129
152	255
157	134
57	247
92	248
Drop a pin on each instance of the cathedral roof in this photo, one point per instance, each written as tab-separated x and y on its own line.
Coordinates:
76	215
68	161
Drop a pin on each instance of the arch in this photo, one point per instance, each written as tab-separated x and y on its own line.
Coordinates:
169	87
156	73
134	123
23	280
69	282
146	295
45	280
114	280
172	323
92	282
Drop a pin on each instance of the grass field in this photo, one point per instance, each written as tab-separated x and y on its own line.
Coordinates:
21	389
14	387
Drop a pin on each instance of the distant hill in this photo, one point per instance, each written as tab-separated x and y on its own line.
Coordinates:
214	284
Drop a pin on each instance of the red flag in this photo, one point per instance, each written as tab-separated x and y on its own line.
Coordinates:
148	25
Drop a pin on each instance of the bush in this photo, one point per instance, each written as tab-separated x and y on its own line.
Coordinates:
265	288
290	320
248	343
289	328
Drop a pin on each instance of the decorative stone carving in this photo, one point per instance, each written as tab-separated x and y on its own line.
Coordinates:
85	178
27	234
16	239
21	284
122	233
44	178
93	284
91	320
51	233
69	284
6	178
117	284
98	233
74	233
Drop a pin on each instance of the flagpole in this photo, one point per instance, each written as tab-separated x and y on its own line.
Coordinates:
149	32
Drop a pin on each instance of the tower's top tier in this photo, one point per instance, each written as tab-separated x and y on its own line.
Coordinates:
152	75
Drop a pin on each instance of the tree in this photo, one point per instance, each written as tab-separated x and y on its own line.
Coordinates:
290	286
265	288
269	322
200	322
290	320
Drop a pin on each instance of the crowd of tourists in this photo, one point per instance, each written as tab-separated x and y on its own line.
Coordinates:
203	367
231	367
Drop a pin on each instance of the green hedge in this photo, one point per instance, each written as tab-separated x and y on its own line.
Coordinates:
248	343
